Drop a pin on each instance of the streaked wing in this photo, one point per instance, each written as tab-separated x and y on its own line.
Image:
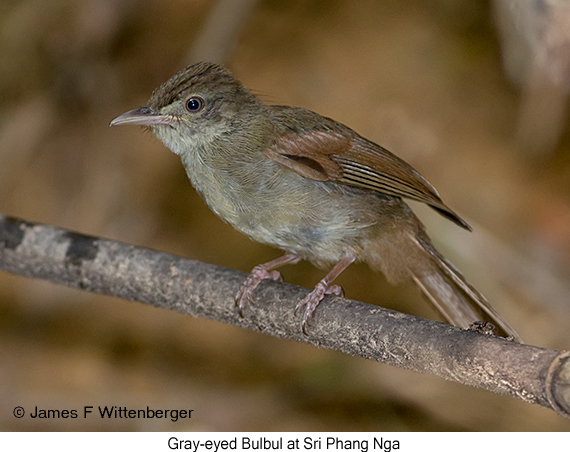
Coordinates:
347	158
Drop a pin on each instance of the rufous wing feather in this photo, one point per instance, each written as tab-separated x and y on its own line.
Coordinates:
347	158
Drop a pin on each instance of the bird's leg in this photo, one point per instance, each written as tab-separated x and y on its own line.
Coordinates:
258	274
322	288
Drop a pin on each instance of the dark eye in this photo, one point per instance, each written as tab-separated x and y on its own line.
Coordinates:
194	104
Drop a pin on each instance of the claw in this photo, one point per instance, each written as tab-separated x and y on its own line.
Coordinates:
311	302
257	275
335	290
323	287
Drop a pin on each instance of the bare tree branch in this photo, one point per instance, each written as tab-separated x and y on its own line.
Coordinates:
532	374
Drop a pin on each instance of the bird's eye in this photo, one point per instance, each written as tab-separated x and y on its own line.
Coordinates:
194	104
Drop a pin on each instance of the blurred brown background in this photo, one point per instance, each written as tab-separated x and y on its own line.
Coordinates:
428	80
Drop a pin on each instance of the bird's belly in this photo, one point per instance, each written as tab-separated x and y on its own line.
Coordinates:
322	227
320	221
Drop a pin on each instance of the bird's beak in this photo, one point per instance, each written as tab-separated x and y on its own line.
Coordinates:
142	116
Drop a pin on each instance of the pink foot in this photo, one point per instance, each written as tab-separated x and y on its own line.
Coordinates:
258	274
312	300
335	290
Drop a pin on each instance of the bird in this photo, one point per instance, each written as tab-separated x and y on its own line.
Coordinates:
308	185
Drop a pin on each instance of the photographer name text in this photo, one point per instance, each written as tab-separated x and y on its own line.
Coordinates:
106	412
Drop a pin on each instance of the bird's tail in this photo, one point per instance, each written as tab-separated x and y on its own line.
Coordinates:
457	300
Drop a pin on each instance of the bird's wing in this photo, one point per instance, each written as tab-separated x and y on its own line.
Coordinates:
345	157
